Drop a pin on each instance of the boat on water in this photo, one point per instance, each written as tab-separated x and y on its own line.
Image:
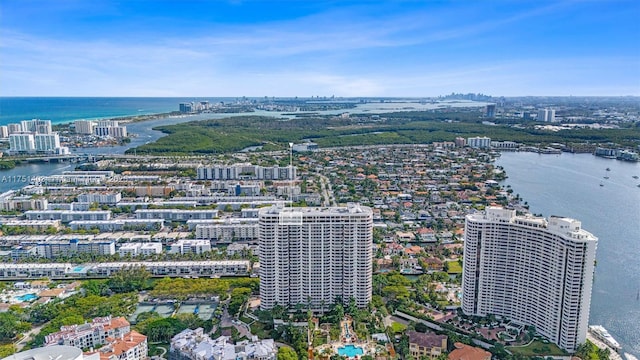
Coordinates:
606	177
630	357
608	169
600	333
635	176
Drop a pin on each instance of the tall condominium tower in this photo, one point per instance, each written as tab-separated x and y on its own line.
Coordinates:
312	255
530	270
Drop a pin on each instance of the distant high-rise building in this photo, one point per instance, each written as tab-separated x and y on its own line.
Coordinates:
490	111
186	107
313	255
546	115
109	128
84	126
204	105
530	270
14	128
46	142
21	143
4	132
479	142
36	126
460	142
245	172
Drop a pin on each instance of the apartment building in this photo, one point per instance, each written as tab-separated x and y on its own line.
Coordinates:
196	344
246	172
13	271
228	232
118	224
140	249
313	255
186	246
109	198
176	214
479	142
89	334
531	270
66	216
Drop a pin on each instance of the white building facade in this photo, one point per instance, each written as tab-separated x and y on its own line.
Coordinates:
479	142
22	143
530	270
47	142
245	172
312	255
547	115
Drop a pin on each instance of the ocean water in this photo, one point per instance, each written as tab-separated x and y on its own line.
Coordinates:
67	109
569	185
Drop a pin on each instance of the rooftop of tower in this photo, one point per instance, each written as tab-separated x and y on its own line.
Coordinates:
560	225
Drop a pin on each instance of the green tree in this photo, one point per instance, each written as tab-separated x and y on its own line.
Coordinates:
286	353
129	279
6	350
10	325
96	287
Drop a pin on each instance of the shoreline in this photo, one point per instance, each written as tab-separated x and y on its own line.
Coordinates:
125	119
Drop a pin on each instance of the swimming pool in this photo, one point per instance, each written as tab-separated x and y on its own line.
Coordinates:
350	351
27	297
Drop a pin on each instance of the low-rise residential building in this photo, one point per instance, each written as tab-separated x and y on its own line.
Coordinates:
196	344
118	224
90	334
131	346
21	203
140	249
177	268
14	271
228	232
58	352
176	214
78	178
153	191
66	216
237	248
108	198
10	271
427	344
38	225
195	246
52	249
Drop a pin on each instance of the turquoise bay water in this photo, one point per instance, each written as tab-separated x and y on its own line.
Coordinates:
62	109
569	185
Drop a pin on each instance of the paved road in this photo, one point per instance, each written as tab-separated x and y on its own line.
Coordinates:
23	341
228	321
327	191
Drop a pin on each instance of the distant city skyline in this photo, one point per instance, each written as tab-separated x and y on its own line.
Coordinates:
319	48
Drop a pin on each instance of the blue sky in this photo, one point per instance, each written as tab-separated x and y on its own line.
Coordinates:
309	48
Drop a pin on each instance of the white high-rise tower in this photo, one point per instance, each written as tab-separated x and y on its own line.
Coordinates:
312	255
530	270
